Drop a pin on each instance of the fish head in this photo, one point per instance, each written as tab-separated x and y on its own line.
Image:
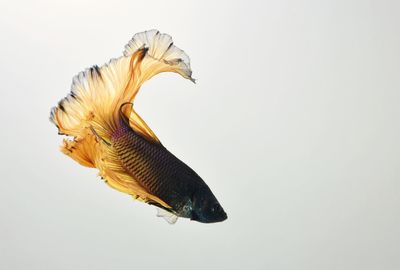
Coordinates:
206	208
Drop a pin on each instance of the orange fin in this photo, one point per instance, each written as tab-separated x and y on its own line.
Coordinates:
91	112
82	149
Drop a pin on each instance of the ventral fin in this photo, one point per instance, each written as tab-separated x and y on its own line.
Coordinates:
168	216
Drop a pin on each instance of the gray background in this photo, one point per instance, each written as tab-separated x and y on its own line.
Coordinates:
294	124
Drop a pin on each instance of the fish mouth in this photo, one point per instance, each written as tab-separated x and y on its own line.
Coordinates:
222	218
218	218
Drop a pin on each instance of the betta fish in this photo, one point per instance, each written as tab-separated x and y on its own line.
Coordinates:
106	133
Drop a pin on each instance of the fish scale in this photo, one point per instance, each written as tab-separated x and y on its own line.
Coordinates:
145	161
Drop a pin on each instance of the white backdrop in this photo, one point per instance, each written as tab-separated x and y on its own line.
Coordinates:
294	124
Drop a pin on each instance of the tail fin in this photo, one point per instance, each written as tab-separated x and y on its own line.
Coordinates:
98	93
162	55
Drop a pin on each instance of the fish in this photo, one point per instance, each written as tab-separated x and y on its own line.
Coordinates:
104	131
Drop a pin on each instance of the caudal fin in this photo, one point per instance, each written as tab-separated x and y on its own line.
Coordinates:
98	92
92	109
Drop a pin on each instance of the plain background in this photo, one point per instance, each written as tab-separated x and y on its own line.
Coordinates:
294	124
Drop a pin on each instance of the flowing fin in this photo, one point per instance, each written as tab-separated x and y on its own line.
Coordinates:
159	54
168	216
81	149
97	93
162	56
96	97
99	137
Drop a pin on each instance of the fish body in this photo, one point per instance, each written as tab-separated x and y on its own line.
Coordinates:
109	135
161	173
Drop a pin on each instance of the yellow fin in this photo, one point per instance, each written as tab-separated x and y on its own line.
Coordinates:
95	101
98	92
95	93
162	56
156	53
82	149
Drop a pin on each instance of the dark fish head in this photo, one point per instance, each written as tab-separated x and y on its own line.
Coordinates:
206	208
